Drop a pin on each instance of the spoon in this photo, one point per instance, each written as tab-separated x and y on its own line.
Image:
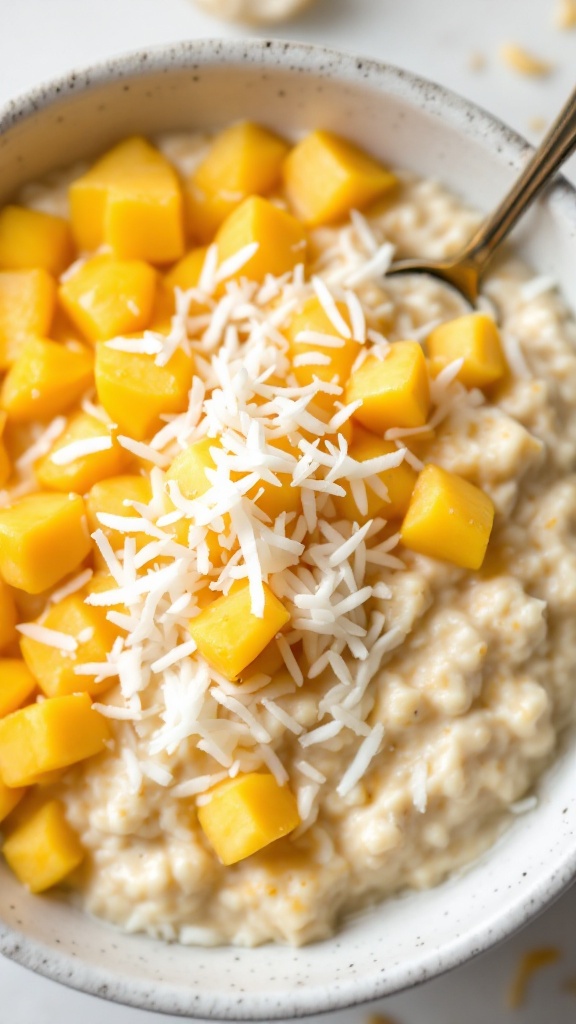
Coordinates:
465	270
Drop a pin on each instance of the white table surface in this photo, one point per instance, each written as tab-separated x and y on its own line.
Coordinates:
437	38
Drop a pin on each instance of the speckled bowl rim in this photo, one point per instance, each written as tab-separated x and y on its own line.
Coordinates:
477	124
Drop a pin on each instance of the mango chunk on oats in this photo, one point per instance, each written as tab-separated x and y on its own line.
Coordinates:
243	160
53	734
189	468
30	239
281	239
5	464
43	848
474	338
399	482
9	799
79	474
186	273
131	201
333	364
7	616
43	537
326	177
53	669
246	814
110	496
107	297
27	303
46	379
448	518
394	391
17	684
229	636
135	392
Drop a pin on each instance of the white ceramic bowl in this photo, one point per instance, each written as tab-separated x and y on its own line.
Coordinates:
417	125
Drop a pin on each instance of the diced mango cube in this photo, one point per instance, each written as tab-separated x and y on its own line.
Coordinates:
448	518
394	391
52	668
46	379
31	239
43	848
27	302
280	238
229	636
110	496
8	616
55	733
9	799
16	684
186	273
107	297
398	481
326	177
246	814
243	160
43	537
189	468
334	364
130	200
474	338
5	464
60	471
135	392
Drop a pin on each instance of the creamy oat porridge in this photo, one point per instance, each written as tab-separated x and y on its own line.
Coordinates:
265	659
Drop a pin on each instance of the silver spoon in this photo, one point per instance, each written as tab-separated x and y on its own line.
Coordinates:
465	270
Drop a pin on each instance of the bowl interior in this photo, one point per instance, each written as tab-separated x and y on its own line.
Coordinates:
412	124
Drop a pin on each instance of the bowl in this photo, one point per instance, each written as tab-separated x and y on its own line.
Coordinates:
415	124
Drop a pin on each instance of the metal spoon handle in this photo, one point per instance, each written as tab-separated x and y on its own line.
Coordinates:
556	147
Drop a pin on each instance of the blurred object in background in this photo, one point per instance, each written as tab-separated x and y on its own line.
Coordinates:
254	12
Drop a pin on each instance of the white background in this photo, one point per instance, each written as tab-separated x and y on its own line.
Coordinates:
436	38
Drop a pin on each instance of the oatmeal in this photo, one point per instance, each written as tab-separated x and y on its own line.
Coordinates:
287	546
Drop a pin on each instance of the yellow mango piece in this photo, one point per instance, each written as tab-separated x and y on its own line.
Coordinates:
55	733
9	799
394	391
281	239
313	317
27	303
474	338
16	684
229	636
189	471
325	177
8	617
110	496
135	392
243	160
399	482
185	275
81	473
105	298
31	239
53	669
102	581
43	537
131	201
46	379
43	849
448	518
246	814
5	464
189	468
